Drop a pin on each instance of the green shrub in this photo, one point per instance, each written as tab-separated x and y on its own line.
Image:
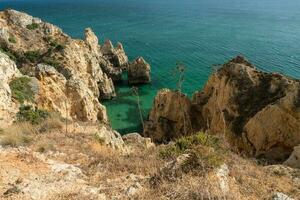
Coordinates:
189	142
51	62
32	115
33	56
32	26
99	139
12	39
9	53
21	89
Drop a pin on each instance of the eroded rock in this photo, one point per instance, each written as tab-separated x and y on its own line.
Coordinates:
169	117
258	112
139	71
8	107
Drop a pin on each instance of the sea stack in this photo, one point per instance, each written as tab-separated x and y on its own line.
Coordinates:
139	71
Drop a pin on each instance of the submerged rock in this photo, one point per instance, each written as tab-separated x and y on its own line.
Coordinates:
139	71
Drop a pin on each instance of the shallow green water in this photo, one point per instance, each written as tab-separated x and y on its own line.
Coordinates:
199	33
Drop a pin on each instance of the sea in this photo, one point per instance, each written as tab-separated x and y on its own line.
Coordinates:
199	34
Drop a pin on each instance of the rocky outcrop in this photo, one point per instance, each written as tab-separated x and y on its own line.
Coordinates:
69	97
110	137
139	71
81	72
258	112
169	117
116	55
8	108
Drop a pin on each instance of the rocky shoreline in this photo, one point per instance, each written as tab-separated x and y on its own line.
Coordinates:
82	72
234	139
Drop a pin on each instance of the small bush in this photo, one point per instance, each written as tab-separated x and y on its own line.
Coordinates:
189	142
99	139
51	123
32	26
32	56
10	54
12	39
32	115
21	89
52	62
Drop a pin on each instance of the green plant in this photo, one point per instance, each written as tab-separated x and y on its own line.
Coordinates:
99	138
32	26
189	142
135	91
178	73
12	39
32	115
21	89
10	54
32	56
52	62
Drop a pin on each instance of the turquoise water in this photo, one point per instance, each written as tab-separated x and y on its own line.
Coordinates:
199	33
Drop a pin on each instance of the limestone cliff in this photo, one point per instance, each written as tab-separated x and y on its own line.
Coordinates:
74	75
8	108
257	112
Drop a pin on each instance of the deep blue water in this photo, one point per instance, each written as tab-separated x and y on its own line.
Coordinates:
198	33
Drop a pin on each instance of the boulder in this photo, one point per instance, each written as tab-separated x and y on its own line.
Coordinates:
139	71
258	112
136	139
169	117
110	137
281	196
8	107
294	159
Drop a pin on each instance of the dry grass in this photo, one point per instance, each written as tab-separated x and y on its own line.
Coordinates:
53	122
19	134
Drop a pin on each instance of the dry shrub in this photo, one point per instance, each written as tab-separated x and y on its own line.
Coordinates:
18	134
43	147
53	122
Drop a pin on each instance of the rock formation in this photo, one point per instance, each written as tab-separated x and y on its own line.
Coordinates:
8	108
139	71
257	112
169	117
116	55
81	71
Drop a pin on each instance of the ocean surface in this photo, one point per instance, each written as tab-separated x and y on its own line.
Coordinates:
198	33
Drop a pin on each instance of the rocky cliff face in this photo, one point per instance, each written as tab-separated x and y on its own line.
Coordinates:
169	117
257	112
8	108
82	71
74	75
